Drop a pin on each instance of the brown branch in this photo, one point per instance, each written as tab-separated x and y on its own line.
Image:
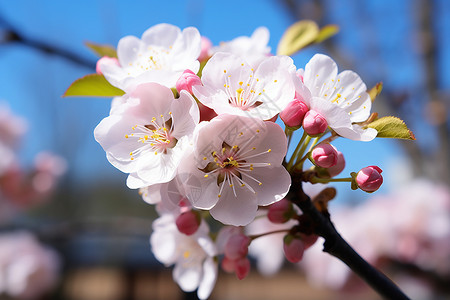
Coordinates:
336	246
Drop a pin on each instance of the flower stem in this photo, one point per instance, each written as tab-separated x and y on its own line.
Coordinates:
253	237
299	164
296	151
326	180
314	143
288	133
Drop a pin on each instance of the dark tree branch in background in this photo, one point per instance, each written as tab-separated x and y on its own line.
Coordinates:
336	246
12	35
436	106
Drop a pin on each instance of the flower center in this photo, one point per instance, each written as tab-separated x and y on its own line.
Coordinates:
153	58
155	137
244	95
232	165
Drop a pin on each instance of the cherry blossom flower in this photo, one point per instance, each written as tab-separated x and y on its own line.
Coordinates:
254	48
193	255
149	137
28	269
237	161
232	86
12	128
340	98
161	55
24	189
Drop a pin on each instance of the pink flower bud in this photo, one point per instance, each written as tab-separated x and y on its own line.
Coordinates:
281	211
314	123
294	113
293	248
187	80
338	167
242	268
325	155
228	265
309	239
188	222
206	46
237	246
369	179
106	60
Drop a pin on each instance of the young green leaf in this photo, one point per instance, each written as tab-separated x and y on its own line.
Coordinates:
298	36
375	91
392	127
102	50
326	32
92	85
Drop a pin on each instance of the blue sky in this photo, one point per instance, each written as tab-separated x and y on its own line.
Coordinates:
377	40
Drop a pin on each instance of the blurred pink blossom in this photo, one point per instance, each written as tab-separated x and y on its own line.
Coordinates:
28	269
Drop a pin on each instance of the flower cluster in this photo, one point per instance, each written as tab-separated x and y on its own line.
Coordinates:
199	141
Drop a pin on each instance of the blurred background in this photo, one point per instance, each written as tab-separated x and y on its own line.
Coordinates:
96	231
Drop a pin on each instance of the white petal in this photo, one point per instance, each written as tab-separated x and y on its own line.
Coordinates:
201	192
163	242
207	245
114	74
128	49
186	48
224	68
167	163
360	110
318	70
155	100
163	35
185	115
270	140
208	281
153	194
236	210
188	278
275	185
277	86
301	90
357	133
335	116
111	133
165	77
260	37
135	182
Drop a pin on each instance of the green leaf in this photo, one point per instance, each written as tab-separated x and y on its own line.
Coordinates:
375	91
392	127
298	36
326	32
102	50
92	85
